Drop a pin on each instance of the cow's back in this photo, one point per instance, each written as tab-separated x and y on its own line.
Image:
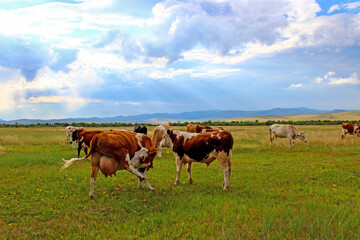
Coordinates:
283	130
199	146
159	133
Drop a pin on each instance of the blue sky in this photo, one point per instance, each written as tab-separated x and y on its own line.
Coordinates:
86	58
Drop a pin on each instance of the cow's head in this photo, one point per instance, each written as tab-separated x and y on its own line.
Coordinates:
301	136
166	140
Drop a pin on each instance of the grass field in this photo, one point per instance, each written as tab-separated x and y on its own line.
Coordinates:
308	192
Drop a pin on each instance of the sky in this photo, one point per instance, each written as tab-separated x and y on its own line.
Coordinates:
105	58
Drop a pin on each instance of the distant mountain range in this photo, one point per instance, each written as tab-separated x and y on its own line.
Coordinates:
156	118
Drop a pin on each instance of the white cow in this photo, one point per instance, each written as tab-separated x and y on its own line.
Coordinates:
286	131
158	137
69	130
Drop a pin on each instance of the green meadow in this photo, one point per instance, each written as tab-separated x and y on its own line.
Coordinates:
311	191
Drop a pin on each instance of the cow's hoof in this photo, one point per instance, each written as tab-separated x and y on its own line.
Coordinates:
91	197
176	183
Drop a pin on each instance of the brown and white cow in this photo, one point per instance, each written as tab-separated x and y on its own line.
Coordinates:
286	131
69	130
118	150
350	129
201	147
158	136
196	128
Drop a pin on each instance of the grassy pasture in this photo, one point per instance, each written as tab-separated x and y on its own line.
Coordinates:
308	192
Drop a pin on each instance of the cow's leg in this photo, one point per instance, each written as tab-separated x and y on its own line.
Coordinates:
86	150
143	171
94	171
178	169
159	151
225	163
271	138
277	144
79	148
167	150
189	165
131	169
291	142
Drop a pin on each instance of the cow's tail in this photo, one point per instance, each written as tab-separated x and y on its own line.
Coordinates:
68	163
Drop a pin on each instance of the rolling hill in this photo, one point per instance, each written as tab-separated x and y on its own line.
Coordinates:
346	115
213	115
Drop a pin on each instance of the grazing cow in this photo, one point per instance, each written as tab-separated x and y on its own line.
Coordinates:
83	138
196	128
201	147
212	129
69	130
350	129
140	129
118	150
158	136
286	131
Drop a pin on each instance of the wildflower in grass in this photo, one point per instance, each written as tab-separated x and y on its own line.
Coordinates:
70	179
334	185
104	192
183	182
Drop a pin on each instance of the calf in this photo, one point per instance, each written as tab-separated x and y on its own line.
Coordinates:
83	138
196	128
286	131
201	147
118	150
158	136
140	129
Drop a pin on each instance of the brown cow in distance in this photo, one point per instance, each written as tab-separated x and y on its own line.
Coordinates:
118	150
213	129
351	129
196	128
203	148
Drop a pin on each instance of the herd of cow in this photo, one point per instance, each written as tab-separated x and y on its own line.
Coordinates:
135	151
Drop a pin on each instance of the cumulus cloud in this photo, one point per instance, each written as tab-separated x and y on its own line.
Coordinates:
353	79
346	6
329	79
334	8
29	54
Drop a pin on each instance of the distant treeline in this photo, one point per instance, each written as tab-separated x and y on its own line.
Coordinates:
206	123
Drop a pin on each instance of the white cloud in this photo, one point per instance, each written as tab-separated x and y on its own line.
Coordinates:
295	85
334	8
59	99
353	79
319	79
195	73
